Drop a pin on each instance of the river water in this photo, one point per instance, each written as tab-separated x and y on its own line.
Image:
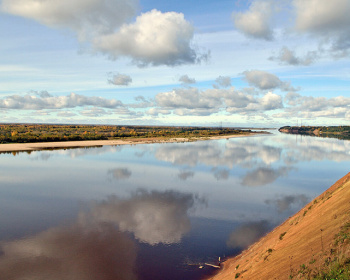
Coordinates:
154	211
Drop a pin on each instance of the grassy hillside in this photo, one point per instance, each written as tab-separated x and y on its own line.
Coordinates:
313	244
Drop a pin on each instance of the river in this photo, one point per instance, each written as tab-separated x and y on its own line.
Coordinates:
154	211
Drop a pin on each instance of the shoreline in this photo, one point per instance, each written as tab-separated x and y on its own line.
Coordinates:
37	146
310	236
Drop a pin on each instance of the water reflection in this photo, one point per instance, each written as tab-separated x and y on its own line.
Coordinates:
308	149
72	252
97	245
245	153
47	154
146	202
185	174
220	173
152	216
247	234
263	176
284	203
120	173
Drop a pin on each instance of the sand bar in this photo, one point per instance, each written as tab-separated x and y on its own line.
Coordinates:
18	147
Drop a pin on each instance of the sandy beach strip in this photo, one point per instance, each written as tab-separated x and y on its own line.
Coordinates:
18	147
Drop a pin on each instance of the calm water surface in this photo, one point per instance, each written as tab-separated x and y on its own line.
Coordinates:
154	211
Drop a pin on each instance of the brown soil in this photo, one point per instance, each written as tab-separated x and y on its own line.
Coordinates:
306	239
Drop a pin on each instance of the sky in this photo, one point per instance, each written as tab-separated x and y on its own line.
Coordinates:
208	63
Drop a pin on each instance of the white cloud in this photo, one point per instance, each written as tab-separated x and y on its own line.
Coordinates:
223	81
287	56
66	114
256	22
120	80
328	19
184	79
322	15
155	38
192	101
265	80
47	101
94	112
157	111
85	17
314	107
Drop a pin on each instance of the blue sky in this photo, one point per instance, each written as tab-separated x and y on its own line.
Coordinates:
242	63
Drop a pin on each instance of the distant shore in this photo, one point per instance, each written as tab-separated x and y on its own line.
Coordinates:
22	147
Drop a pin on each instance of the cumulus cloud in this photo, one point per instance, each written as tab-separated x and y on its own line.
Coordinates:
86	18
256	22
263	176
287	202
158	111
223	81
312	107
120	79
266	81
155	38
76	252
66	114
153	217
32	102
94	112
192	101
327	19
185	79
321	15
287	56
120	173
247	234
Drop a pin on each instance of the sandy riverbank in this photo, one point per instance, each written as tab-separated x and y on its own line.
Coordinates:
18	147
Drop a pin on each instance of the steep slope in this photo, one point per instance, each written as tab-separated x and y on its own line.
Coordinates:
303	245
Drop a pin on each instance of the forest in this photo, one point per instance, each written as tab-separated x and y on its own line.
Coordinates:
340	132
29	133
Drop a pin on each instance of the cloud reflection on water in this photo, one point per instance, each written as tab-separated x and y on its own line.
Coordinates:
185	174
286	202
263	176
70	253
97	245
247	234
152	216
120	173
244	153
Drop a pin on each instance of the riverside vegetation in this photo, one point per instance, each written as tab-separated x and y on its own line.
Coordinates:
29	133
340	132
